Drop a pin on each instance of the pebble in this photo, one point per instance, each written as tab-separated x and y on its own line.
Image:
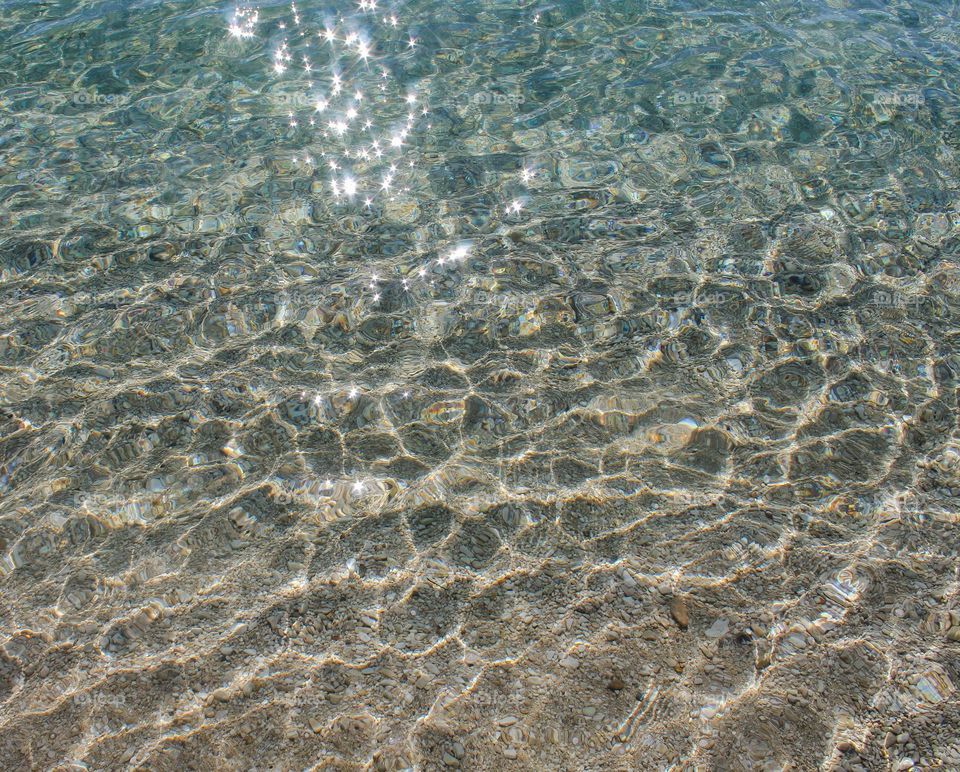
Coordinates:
403	211
616	684
718	629
678	610
450	760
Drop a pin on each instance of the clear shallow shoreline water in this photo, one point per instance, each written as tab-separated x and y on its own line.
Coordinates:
479	385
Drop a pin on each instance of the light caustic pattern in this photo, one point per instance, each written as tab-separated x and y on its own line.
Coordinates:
611	485
358	120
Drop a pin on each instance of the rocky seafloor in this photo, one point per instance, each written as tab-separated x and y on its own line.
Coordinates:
480	385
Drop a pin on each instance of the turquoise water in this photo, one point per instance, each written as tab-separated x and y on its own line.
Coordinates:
479	384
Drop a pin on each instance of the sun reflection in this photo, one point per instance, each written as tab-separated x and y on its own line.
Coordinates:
243	23
369	134
336	86
281	57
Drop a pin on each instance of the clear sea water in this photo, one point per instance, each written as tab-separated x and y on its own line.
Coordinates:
488	384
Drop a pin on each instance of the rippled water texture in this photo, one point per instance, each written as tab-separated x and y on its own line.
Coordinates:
481	384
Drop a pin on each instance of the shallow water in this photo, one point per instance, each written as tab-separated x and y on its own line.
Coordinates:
479	384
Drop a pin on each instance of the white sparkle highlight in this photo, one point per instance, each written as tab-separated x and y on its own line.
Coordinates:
243	23
338	84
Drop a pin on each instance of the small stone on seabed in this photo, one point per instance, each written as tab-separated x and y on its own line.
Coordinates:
718	629
678	610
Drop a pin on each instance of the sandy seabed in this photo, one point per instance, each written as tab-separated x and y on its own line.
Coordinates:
592	408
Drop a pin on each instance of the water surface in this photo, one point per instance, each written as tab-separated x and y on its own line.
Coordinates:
483	384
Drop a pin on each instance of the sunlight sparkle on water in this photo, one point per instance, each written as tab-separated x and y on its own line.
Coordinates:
243	23
368	144
337	90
